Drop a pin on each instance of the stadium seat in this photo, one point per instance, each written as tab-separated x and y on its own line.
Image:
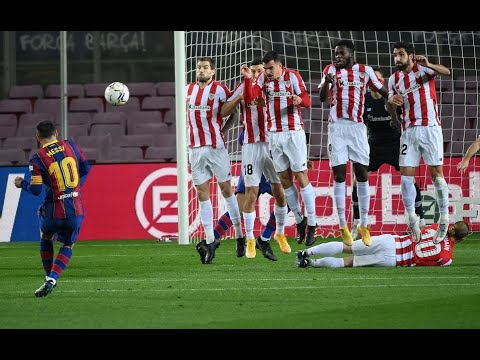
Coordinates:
25	143
170	117
454	98
115	131
50	106
139	140
166	88
31	120
86	105
31	92
101	144
156	129
166	140
133	104
142	89
126	154
95	90
467	84
12	157
77	118
445	110
28	131
142	117
73	91
162	103
119	118
15	106
77	130
157	153
8	125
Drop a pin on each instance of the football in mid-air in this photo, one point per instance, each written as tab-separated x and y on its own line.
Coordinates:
117	94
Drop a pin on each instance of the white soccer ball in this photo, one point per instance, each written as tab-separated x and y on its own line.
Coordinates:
117	94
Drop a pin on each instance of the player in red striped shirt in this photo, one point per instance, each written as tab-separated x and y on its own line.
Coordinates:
346	82
61	166
207	154
285	94
412	87
389	250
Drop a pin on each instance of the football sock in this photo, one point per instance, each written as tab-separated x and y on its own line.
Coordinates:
223	224
363	201
269	228
308	196
46	254
441	191
326	249
293	202
339	196
329	262
61	262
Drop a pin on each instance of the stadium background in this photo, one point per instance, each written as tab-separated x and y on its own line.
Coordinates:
142	204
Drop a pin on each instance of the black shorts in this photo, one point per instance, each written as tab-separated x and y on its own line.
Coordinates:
384	155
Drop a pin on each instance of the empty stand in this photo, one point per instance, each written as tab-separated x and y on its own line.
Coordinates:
31	120
77	130
157	153
95	90
50	106
115	131
8	125
25	143
95	147
73	91
133	104
142	117
12	157
126	154
142	89
15	106
91	105
161	103
119	118
166	88
156	129
31	92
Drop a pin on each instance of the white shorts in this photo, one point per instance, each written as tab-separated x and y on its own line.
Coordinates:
419	142
382	252
255	161
206	162
348	139
289	150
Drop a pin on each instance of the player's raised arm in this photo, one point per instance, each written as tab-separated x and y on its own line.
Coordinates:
472	149
438	68
251	91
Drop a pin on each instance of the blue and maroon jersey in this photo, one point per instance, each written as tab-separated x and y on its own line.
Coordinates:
62	167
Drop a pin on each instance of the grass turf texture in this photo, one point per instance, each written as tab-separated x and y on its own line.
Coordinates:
143	284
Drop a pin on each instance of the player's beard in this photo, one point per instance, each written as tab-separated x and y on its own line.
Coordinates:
203	79
402	66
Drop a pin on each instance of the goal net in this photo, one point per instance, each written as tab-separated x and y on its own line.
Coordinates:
309	52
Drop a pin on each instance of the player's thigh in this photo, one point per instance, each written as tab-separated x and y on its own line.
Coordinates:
337	145
278	156
252	162
199	165
380	253
296	150
69	229
219	162
432	145
410	152
358	147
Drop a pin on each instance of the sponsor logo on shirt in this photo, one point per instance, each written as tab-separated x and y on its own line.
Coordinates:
409	90
199	107
350	83
70	195
278	93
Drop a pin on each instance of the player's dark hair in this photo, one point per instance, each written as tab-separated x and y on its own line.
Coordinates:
348	44
271	55
209	59
462	229
405	45
45	129
256	62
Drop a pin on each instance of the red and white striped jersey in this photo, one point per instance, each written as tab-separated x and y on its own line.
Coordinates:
347	92
253	117
420	97
282	115
203	114
425	253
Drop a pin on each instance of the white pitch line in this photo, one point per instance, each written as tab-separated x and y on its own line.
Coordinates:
257	288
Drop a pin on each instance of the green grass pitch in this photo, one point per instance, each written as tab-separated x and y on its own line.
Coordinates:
142	284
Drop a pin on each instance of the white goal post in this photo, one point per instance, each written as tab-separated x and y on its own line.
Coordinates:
309	52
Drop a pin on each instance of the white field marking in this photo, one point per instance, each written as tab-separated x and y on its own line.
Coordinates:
5	281
257	288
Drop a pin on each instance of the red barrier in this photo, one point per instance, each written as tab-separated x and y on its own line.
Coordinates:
138	201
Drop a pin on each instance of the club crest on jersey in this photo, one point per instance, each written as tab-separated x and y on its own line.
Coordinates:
417	75
287	83
339	76
211	96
